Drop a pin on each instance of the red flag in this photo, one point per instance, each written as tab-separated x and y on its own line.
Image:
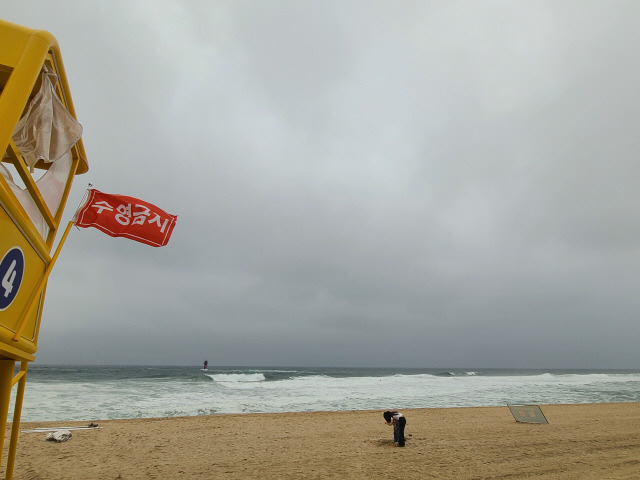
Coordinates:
122	216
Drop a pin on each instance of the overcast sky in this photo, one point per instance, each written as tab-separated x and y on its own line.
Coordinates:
357	183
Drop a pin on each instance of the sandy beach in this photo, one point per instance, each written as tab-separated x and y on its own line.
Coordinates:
594	441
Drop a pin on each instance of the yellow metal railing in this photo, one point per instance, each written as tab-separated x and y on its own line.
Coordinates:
24	54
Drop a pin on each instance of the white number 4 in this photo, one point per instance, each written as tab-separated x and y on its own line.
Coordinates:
8	279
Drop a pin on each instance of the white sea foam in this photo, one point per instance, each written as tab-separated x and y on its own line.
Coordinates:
237	377
111	397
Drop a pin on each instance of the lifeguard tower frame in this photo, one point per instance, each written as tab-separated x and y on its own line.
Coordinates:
32	199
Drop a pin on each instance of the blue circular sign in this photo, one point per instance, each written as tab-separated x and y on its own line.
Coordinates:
11	273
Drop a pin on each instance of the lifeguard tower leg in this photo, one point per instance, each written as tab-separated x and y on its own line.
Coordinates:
6	377
15	425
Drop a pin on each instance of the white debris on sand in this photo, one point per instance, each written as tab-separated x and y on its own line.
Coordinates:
58	436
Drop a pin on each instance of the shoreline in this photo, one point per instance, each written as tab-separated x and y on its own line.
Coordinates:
581	441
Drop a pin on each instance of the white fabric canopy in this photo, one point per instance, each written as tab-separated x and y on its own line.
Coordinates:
51	186
47	131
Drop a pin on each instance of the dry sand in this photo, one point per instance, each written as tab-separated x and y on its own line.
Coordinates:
580	442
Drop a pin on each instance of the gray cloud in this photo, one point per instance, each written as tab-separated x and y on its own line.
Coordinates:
357	183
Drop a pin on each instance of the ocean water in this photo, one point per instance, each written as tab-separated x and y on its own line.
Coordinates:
88	393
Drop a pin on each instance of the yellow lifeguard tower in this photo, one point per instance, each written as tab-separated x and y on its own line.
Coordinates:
40	153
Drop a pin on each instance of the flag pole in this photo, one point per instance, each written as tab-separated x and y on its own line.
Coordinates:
36	294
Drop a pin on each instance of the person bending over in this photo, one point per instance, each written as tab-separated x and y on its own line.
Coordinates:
397	420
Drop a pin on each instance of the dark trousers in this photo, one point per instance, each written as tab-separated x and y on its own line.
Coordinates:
398	431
